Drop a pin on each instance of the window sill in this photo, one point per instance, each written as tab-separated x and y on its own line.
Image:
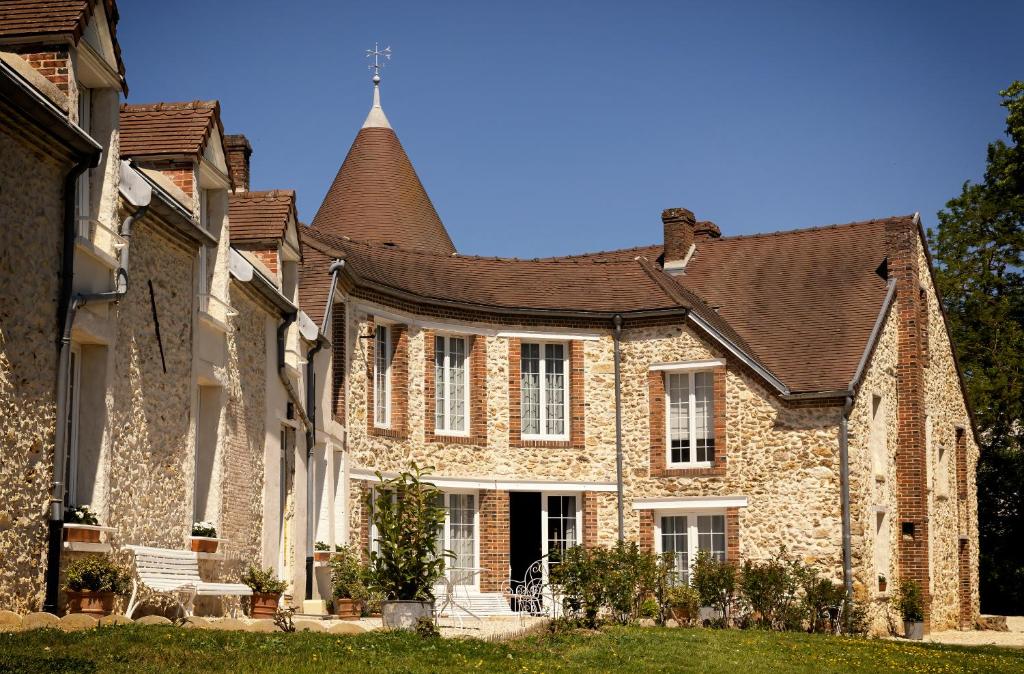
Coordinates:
213	322
386	432
716	470
79	546
550	444
94	251
444	439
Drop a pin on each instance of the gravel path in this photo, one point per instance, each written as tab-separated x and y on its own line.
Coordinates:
1014	638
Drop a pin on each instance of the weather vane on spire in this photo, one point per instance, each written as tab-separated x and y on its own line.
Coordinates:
377	53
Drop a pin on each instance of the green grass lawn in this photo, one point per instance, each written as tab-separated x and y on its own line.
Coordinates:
631	649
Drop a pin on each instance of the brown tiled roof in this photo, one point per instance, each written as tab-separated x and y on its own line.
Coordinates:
260	216
497	284
378	197
55	18
314	280
168	128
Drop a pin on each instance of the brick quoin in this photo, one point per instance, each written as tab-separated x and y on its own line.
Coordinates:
50	61
494	539
477	392
911	459
647	530
658	453
590	519
732	535
338	362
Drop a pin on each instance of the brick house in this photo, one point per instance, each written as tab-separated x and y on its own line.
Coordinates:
796	388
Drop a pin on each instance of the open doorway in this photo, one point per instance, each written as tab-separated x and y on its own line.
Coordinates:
525	534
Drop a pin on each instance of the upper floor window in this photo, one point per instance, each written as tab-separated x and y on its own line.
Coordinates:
544	390
691	428
451	383
382	376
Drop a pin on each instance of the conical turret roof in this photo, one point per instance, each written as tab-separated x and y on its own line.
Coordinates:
378	197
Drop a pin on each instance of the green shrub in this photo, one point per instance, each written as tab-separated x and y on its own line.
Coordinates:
684	601
262	581
427	628
320	546
716	583
770	590
82	514
408	519
204	529
909	601
578	574
96	574
348	575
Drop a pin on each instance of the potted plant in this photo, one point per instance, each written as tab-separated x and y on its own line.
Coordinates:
266	591
405	564
683	604
321	551
204	537
882	583
348	580
910	603
81	515
91	583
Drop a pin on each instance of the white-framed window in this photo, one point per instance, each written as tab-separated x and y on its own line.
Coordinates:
451	385
382	376
684	534
71	426
544	390
460	536
690	411
561	523
83	204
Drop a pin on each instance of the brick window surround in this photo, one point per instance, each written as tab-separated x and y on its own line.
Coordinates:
577	430
477	410
732	533
494	539
590	519
399	382
656	398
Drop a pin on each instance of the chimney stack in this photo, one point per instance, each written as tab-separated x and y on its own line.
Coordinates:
680	225
706	229
237	151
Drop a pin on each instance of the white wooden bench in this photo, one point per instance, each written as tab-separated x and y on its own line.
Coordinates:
175	573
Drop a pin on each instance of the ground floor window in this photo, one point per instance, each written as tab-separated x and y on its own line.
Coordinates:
686	534
459	536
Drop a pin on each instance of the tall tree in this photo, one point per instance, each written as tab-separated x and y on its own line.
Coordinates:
979	245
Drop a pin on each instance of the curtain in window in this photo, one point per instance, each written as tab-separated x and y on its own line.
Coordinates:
530	388
380	375
554	387
679	417
462	536
703	398
449	383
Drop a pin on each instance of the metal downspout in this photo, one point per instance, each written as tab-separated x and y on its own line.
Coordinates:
844	486
617	322
310	476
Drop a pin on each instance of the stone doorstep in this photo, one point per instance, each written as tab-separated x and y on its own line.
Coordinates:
995	623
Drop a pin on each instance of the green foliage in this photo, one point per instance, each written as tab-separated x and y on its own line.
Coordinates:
82	514
979	250
349	575
684	601
716	583
408	520
427	628
909	601
96	573
205	529
770	589
320	546
263	581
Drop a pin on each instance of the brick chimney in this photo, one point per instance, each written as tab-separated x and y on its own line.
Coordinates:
237	151
680	225
706	229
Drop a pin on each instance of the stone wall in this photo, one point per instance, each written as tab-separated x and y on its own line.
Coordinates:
31	221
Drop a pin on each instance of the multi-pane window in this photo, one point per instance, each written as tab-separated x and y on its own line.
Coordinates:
685	535
544	390
382	376
691	428
460	538
562	525
450	384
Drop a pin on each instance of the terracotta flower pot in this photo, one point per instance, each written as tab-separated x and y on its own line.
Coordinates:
681	615
203	544
347	609
76	535
321	555
264	605
91	603
882	585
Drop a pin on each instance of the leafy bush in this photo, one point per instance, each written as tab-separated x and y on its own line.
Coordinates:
408	520
427	628
205	529
716	583
684	601
909	601
320	546
82	514
578	574
770	590
262	581
96	574
348	575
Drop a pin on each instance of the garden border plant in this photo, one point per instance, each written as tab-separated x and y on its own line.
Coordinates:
92	582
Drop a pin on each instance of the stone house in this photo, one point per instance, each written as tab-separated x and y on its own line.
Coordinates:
177	347
796	388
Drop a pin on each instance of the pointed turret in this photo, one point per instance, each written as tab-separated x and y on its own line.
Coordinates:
377	195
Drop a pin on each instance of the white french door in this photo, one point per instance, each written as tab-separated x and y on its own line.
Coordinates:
460	536
561	521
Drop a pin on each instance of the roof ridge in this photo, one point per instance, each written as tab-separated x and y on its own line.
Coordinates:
162	106
262	193
815	228
601	252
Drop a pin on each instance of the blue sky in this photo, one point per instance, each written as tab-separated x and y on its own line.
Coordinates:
543	128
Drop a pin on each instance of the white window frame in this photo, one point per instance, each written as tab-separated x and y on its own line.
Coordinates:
545	544
691	377
442	385
83	203
446	532
692	532
74	386
566	406
386	392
